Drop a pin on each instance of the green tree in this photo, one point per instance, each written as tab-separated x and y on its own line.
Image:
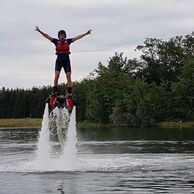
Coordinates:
183	92
163	59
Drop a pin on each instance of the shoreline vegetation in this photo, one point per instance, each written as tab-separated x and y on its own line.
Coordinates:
36	123
156	86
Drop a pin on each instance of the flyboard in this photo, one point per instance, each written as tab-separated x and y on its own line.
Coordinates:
60	108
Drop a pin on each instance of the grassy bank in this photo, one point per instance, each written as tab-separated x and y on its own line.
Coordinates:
24	122
164	124
176	124
36	122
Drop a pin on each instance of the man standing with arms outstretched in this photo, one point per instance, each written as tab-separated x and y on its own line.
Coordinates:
62	45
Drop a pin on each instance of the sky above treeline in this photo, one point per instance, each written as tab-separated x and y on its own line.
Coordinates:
27	59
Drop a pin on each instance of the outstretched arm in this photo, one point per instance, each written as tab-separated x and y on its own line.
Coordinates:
44	34
81	35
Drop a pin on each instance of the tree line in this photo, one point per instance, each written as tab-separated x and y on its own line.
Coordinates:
158	86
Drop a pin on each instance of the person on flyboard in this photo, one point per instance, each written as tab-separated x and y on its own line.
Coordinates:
62	45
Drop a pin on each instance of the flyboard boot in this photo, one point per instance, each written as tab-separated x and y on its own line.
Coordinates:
52	99
60	101
69	98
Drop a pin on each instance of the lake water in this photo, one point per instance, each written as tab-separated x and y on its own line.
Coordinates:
112	161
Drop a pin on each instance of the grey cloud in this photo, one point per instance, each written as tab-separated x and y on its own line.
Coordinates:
116	25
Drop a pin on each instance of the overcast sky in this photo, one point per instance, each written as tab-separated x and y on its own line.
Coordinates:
27	59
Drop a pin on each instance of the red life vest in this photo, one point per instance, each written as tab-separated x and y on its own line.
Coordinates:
62	47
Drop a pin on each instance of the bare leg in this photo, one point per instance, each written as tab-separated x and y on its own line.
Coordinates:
68	76
57	74
69	83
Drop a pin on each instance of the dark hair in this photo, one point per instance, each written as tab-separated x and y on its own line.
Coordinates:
61	32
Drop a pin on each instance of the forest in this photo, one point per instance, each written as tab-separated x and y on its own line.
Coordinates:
157	86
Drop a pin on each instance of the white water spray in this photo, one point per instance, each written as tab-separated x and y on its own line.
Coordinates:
43	151
66	162
70	149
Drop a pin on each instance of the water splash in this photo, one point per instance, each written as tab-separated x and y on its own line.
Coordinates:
68	160
70	149
43	151
62	123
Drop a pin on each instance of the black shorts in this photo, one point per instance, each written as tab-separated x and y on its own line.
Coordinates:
63	63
